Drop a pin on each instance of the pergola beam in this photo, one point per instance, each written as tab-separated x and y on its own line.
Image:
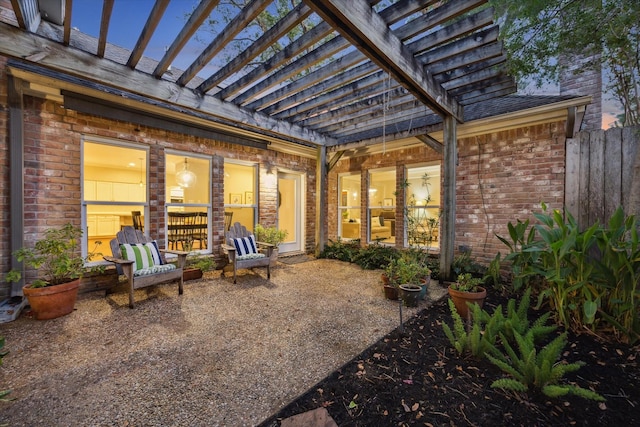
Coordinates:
149	27
360	24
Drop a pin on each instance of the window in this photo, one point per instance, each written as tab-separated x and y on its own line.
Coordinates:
240	195
422	209
349	206
382	205
188	202
114	184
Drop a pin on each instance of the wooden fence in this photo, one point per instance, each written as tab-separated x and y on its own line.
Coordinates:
602	173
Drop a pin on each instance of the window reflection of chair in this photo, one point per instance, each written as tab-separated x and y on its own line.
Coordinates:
199	230
227	220
180	230
137	220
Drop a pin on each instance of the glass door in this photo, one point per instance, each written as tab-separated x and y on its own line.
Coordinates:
290	211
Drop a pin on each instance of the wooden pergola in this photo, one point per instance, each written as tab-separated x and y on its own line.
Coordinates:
361	68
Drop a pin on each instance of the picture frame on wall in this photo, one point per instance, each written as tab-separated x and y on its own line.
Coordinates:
387	203
248	197
235	198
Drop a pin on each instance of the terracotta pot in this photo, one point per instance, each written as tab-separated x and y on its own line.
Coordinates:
191	274
460	300
52	301
410	294
390	292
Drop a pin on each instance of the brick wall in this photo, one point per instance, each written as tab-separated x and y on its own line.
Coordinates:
501	177
52	141
575	80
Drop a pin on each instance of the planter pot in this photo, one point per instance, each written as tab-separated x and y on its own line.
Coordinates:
52	301
460	300
410	294
274	257
424	283
191	274
390	292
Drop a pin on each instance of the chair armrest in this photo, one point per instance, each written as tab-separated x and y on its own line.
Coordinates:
268	246
182	256
118	260
230	251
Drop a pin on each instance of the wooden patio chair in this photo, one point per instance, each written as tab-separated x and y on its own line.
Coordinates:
244	252
139	259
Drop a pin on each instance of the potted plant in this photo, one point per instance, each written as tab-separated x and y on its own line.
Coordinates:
390	280
60	267
270	235
408	274
467	289
196	265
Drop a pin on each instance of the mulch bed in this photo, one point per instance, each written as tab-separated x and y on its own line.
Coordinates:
416	378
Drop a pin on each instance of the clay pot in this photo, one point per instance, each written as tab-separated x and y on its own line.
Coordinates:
461	298
390	292
52	301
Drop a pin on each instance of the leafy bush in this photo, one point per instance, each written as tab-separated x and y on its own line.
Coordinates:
375	256
343	251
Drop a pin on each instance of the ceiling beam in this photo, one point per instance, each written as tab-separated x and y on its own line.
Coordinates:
66	38
195	20
149	27
107	8
360	24
58	58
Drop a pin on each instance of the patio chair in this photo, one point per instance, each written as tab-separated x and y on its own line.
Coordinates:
244	252
139	259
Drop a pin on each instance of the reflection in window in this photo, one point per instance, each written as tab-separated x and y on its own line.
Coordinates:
240	196
188	207
423	206
114	183
382	205
349	206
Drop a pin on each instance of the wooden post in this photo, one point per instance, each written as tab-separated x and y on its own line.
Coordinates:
447	240
321	199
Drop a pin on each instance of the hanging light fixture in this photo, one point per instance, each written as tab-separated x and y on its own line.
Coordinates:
141	183
185	177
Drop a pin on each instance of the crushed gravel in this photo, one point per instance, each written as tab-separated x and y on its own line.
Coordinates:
219	355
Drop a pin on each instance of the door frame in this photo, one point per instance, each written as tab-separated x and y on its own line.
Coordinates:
300	244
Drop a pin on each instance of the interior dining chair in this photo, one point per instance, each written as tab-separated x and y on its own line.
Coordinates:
227	220
137	220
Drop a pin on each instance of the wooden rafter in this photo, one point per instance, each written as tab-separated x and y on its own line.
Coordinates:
195	20
107	8
149	27
68	9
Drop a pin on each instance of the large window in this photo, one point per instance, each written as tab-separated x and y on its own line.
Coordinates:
240	195
382	205
422	209
349	206
188	202
114	184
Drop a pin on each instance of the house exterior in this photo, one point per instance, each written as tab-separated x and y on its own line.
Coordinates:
92	154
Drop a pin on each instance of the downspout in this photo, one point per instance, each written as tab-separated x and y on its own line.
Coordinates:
16	176
447	242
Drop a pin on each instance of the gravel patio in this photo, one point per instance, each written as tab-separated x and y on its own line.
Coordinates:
221	354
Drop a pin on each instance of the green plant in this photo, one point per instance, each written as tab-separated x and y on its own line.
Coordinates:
201	261
270	235
520	259
375	256
619	271
538	369
56	256
467	283
483	330
341	250
3	353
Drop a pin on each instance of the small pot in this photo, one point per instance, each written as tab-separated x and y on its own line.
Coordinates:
461	298
191	273
410	294
390	292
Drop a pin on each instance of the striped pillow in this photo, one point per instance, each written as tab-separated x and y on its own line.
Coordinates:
245	245
139	253
155	253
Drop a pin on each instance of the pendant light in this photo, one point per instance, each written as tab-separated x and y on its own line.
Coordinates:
141	182
185	177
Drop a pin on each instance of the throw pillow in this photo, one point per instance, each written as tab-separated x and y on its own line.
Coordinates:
139	253
155	252
245	245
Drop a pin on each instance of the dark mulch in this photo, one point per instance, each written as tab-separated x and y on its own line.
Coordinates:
415	378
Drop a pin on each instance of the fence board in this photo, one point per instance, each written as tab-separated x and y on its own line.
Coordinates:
602	173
